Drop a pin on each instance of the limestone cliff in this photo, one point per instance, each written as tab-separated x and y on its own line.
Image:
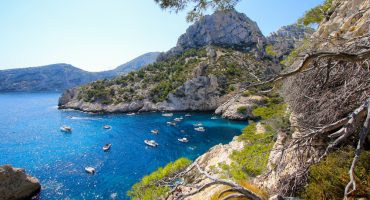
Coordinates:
15	184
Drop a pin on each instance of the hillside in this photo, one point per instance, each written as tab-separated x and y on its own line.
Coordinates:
201	76
58	77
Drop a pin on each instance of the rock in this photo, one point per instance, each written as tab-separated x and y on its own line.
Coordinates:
15	184
287	38
276	197
230	108
229	29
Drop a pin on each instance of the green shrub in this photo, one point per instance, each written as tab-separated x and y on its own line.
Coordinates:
327	179
242	109
270	50
316	14
148	188
266	112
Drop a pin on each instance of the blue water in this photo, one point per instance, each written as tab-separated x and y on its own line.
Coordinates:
30	138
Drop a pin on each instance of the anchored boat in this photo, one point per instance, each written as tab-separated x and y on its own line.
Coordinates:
90	170
184	140
155	131
200	129
107	147
66	129
151	143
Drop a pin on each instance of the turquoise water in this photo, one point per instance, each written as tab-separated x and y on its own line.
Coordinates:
31	139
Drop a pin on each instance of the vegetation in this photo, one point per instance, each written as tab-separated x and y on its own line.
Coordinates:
252	160
315	15
270	50
200	6
150	187
242	109
327	179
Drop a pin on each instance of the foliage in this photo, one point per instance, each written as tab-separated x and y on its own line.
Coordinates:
327	179
200	6
270	51
242	109
148	188
316	14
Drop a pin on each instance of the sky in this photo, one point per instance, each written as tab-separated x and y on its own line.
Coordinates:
97	35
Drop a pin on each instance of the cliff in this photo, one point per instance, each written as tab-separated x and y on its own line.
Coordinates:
227	29
15	184
200	74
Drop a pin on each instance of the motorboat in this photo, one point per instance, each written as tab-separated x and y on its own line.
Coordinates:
90	170
66	129
151	143
107	127
183	140
171	123
198	124
214	117
200	129
167	114
155	131
187	115
106	147
130	114
178	119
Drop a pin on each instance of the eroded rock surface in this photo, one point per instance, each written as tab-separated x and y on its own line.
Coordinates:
15	184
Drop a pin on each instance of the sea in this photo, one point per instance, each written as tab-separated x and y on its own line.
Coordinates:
30	138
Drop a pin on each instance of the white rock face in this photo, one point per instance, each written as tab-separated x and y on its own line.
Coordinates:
230	108
15	184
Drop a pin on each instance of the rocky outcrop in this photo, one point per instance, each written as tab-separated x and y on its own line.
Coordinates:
228	29
209	162
15	184
239	108
287	38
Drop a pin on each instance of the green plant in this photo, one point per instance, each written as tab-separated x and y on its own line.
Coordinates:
149	188
316	14
242	109
327	179
270	50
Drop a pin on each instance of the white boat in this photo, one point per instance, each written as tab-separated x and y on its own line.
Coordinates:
167	114
65	128
155	131
106	147
214	117
178	119
90	170
130	114
171	123
107	127
187	115
183	140
200	129
151	143
198	124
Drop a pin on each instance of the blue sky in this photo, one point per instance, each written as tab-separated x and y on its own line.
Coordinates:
101	34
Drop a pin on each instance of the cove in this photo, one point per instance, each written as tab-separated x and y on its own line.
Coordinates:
31	139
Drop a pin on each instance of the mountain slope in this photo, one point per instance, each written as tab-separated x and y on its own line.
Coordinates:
200	73
137	63
58	77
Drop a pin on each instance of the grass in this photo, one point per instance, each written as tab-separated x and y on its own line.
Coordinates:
148	188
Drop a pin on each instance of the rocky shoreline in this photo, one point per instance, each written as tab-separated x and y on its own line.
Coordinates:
15	184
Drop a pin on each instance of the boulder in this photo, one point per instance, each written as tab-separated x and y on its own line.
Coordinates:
15	184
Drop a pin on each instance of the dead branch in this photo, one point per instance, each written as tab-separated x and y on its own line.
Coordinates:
360	144
243	192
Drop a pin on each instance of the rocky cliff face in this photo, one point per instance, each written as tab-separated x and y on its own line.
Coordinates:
201	82
228	29
201	73
287	38
15	184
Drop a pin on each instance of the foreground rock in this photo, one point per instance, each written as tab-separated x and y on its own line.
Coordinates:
15	184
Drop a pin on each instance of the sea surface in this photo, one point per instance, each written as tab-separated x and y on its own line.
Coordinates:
30	138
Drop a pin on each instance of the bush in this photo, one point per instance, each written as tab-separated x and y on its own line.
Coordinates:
148	187
242	109
327	179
